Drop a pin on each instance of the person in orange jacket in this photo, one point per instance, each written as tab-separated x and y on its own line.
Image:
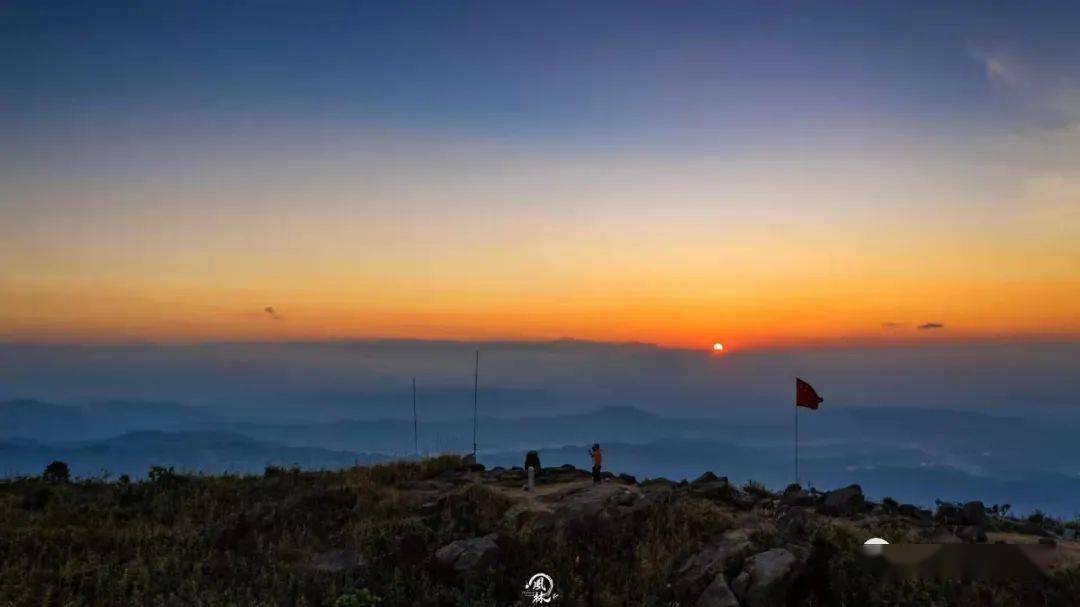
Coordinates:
597	462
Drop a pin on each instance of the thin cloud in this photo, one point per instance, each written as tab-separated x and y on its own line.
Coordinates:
272	312
931	325
893	325
1041	86
1005	72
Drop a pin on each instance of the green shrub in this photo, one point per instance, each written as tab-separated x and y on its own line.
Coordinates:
165	477
56	472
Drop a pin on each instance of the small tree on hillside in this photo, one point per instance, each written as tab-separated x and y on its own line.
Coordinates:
56	472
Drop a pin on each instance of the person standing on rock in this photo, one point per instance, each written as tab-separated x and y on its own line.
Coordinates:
597	462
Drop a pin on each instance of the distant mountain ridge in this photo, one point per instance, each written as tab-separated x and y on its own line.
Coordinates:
48	422
203	452
915	454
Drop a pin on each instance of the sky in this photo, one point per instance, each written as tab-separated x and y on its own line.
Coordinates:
764	175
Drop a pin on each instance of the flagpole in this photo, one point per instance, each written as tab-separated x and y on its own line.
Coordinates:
415	428
805	396
476	389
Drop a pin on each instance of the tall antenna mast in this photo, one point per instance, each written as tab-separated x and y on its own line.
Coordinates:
475	392
415	425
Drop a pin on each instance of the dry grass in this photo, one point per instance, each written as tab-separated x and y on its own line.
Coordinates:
249	540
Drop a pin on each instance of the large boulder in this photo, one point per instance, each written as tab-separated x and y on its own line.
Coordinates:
528	521
769	574
914	511
579	506
843	502
467	555
700	569
717	594
948	514
740	584
561	474
708	477
745	500
794	495
719	490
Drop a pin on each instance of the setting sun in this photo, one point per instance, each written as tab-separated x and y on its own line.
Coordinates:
718	347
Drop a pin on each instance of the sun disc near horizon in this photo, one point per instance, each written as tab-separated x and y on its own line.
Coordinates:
718	347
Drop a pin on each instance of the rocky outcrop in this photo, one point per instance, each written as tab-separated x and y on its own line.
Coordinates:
724	572
707	477
795	495
717	594
658	491
468	555
948	514
843	502
912	511
740	584
555	476
769	574
700	569
715	488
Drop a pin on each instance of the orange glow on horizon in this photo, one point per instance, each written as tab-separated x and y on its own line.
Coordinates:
795	316
672	260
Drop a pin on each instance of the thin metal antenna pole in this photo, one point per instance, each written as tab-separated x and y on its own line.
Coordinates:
415	424
475	392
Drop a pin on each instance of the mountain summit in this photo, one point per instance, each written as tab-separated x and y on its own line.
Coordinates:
442	532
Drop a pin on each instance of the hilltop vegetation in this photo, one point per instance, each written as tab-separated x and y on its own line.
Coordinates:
436	533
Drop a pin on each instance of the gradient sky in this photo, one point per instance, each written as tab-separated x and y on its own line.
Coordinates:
763	174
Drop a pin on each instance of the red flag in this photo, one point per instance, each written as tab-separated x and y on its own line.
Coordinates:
805	395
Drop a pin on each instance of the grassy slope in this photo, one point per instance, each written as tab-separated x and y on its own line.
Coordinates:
249	540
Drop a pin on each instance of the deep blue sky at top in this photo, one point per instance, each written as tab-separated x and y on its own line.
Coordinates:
592	71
